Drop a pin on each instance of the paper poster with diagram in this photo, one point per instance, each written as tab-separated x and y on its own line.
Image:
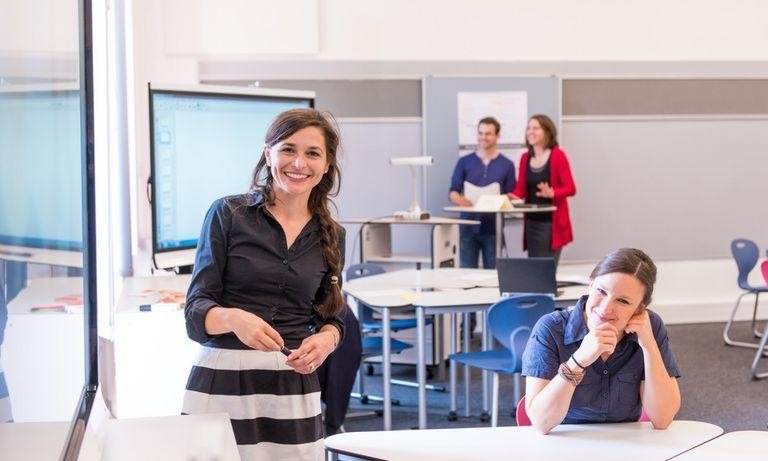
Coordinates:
510	108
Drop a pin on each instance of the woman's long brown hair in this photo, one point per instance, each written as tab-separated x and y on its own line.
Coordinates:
284	126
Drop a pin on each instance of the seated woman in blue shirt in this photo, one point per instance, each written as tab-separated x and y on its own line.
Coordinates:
608	358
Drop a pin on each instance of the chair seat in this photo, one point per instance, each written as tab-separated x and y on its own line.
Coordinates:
498	360
373	346
394	325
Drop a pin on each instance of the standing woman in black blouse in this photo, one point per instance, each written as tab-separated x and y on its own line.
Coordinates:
267	274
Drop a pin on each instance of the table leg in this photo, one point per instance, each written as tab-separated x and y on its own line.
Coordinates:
486	346
499	235
387	369
439	327
421	370
453	372
465	348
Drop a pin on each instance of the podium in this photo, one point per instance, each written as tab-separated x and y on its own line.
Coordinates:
376	240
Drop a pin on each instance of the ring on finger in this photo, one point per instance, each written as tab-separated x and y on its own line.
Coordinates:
311	366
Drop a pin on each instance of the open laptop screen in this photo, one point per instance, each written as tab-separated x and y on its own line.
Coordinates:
526	275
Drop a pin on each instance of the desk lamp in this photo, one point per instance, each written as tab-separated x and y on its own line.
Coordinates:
414	212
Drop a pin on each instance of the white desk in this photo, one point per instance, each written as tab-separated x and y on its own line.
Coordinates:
44	348
740	445
455	291
586	442
33	441
500	217
202	437
152	353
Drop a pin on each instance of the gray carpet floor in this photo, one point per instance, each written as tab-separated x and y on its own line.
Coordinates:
716	387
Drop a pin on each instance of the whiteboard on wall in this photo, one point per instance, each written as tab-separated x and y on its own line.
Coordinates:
441	126
510	108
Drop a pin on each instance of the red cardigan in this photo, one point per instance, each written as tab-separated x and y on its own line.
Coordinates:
562	183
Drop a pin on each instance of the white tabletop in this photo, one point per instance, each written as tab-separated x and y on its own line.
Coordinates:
395	220
47	291
567	442
471	209
33	441
206	436
397	289
741	445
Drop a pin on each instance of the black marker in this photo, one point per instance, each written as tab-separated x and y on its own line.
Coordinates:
285	351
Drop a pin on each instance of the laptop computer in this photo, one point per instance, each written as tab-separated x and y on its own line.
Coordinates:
526	275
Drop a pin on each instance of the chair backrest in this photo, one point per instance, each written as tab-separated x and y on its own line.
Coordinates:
522	416
356	271
511	320
764	270
746	254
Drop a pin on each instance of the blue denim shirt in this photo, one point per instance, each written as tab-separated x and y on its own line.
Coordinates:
470	168
610	390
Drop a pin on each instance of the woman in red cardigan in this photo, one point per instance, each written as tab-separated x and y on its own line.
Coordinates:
545	178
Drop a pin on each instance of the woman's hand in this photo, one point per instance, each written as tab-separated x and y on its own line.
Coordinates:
597	342
640	324
312	352
253	331
544	190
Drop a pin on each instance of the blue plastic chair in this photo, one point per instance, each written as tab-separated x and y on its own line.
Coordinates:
510	321
373	346
746	254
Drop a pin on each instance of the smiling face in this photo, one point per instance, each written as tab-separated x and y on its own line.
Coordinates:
298	162
614	298
535	134
487	137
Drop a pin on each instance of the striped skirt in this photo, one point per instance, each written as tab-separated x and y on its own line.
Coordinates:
275	412
6	415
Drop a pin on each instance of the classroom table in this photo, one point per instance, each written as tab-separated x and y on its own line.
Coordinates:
429	292
740	445
588	442
204	437
500	216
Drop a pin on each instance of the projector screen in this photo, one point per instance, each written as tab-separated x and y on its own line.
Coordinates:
205	143
40	154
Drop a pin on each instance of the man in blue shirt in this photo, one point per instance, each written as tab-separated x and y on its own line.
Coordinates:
481	168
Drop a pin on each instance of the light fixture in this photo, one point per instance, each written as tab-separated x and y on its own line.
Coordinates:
414	212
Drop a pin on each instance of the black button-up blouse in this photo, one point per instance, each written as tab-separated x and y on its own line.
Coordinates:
243	261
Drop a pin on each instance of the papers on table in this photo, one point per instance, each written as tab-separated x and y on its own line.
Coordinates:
493	203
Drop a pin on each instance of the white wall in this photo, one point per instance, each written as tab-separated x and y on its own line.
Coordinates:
491	30
150	64
559	30
678	188
38	26
167	49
